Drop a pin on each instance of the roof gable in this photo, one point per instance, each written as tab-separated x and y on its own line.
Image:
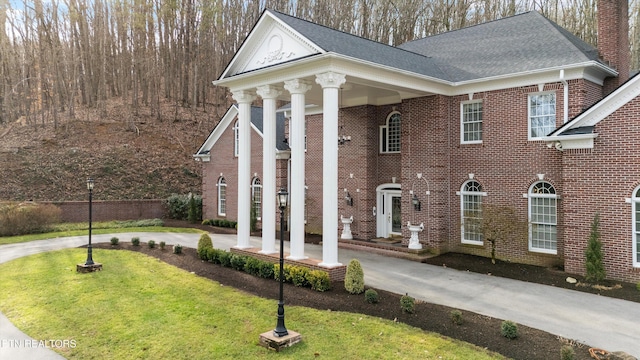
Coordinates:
204	153
269	43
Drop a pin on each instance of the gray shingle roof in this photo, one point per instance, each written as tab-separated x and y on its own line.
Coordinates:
256	120
343	43
515	44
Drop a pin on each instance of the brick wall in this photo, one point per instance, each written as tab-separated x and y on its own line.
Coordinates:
78	211
598	181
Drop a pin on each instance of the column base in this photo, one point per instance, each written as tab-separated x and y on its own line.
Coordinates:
84	268
270	341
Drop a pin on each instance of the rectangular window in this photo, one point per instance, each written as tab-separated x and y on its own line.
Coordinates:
636	236
543	224
257	201
472	217
222	200
471	126
542	115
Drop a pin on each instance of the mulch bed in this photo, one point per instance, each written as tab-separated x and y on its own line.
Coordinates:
477	329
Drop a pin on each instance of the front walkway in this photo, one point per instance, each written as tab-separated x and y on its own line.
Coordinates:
598	321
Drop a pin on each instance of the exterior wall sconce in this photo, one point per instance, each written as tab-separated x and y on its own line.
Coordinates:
343	139
348	199
416	202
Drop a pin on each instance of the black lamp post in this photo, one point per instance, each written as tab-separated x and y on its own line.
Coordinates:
281	330
89	248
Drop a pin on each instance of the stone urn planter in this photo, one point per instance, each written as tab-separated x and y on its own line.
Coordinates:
346	227
414	242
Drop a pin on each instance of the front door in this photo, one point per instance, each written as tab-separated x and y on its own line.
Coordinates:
389	215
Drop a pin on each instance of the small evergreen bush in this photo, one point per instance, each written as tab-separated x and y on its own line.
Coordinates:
593	254
238	261
407	304
135	241
266	270
509	329
299	276
162	245
354	278
371	296
185	207
252	266
319	280
204	244
177	249
456	317
114	241
152	244
225	259
567	353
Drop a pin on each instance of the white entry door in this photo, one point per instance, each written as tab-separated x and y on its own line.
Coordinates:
389	218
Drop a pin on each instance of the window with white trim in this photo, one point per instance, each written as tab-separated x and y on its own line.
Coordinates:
390	134
236	138
635	224
471	122
471	212
222	196
542	114
256	196
543	218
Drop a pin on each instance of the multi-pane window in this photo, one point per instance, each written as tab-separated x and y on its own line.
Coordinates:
222	197
256	195
390	134
471	211
471	127
543	217
542	114
635	201
236	138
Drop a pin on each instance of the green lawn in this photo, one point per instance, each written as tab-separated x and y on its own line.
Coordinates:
141	308
106	227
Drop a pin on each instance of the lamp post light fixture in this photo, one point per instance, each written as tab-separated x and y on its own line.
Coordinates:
416	202
89	248
281	330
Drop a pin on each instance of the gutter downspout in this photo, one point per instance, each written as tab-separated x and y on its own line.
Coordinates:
566	96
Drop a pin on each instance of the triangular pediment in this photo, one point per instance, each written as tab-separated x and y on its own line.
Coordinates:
269	43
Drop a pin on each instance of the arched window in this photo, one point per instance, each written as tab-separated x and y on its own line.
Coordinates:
222	196
256	196
543	218
471	212
635	224
390	134
236	138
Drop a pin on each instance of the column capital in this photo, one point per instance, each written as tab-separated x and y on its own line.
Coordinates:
297	86
330	79
269	91
244	96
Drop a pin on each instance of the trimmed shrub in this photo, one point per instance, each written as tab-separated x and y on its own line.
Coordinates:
179	207
509	329
593	254
407	304
266	270
114	241
177	249
204	244
135	241
299	276
456	317
152	244
162	245
371	296
238	261
354	278
319	280
225	259
567	353
252	266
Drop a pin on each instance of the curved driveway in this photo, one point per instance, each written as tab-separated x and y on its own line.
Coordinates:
598	321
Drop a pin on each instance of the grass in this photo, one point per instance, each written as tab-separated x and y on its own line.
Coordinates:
141	308
104	227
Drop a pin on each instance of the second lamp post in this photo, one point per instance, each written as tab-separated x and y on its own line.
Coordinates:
281	330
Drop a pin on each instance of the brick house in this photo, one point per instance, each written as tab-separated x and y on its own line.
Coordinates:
515	112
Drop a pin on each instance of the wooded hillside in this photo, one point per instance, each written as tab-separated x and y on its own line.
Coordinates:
88	87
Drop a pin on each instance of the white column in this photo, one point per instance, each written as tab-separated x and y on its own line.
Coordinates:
330	83
297	88
269	94
244	99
